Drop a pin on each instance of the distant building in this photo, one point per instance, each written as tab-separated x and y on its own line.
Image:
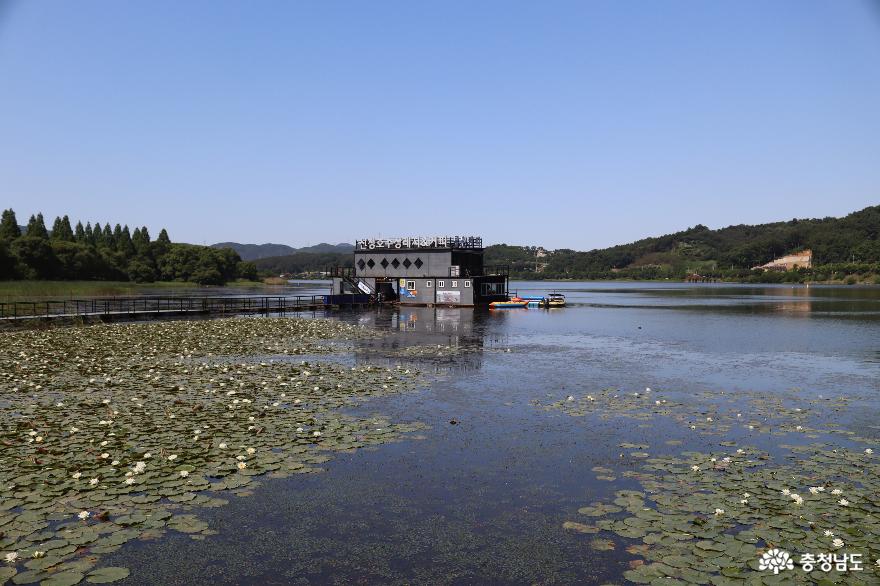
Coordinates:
798	260
439	270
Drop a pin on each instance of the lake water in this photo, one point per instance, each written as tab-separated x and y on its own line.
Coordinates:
483	500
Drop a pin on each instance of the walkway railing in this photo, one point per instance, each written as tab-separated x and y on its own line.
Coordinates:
177	305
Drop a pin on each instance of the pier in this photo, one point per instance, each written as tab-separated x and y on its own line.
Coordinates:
145	306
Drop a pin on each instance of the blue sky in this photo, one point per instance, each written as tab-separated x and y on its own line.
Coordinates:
569	124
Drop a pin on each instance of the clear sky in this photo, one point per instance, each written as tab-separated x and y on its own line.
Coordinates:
569	124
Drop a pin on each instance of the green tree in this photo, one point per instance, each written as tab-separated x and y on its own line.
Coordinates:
80	233
7	261
109	240
9	228
61	230
35	259
125	245
36	227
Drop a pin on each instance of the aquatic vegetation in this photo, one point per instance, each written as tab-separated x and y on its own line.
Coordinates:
118	432
707	518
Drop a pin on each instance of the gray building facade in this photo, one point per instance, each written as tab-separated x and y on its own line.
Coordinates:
437	271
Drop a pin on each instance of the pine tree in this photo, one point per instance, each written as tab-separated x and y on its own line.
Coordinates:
80	233
163	237
36	228
97	234
9	228
61	230
89	234
109	241
117	233
125	245
146	234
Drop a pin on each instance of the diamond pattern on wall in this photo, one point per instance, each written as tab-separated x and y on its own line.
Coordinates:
361	264
384	263
418	263
395	263
370	263
406	263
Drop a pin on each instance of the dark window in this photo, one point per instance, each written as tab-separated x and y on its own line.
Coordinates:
395	263
384	263
361	264
370	263
418	263
406	263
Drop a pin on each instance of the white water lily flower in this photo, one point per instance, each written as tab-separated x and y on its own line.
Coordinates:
76	475
798	500
836	492
93	481
299	430
39	554
843	503
114	463
129	481
184	473
11	557
74	429
814	489
148	455
251	451
829	533
786	492
744	502
316	433
38	439
83	515
719	512
242	465
105	455
869	451
837	542
746	495
695	468
172	457
222	446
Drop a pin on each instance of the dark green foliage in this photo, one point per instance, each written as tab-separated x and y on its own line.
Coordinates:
7	261
726	253
34	257
9	228
36	228
104	253
61	230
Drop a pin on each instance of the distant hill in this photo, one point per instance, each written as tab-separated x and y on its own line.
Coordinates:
258	251
729	252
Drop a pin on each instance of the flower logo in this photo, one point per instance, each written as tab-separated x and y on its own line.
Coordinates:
775	559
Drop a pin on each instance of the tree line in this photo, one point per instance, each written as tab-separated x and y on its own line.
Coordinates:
96	252
842	247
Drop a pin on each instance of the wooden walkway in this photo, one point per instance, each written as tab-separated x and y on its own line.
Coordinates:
171	306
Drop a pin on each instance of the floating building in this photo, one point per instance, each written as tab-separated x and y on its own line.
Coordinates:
438	270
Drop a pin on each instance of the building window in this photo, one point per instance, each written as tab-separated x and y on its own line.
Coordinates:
467	284
453	271
455	284
429	283
411	285
440	284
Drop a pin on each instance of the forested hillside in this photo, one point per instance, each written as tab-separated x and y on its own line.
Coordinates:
104	253
258	251
841	246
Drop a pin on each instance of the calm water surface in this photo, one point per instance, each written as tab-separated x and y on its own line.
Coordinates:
483	500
